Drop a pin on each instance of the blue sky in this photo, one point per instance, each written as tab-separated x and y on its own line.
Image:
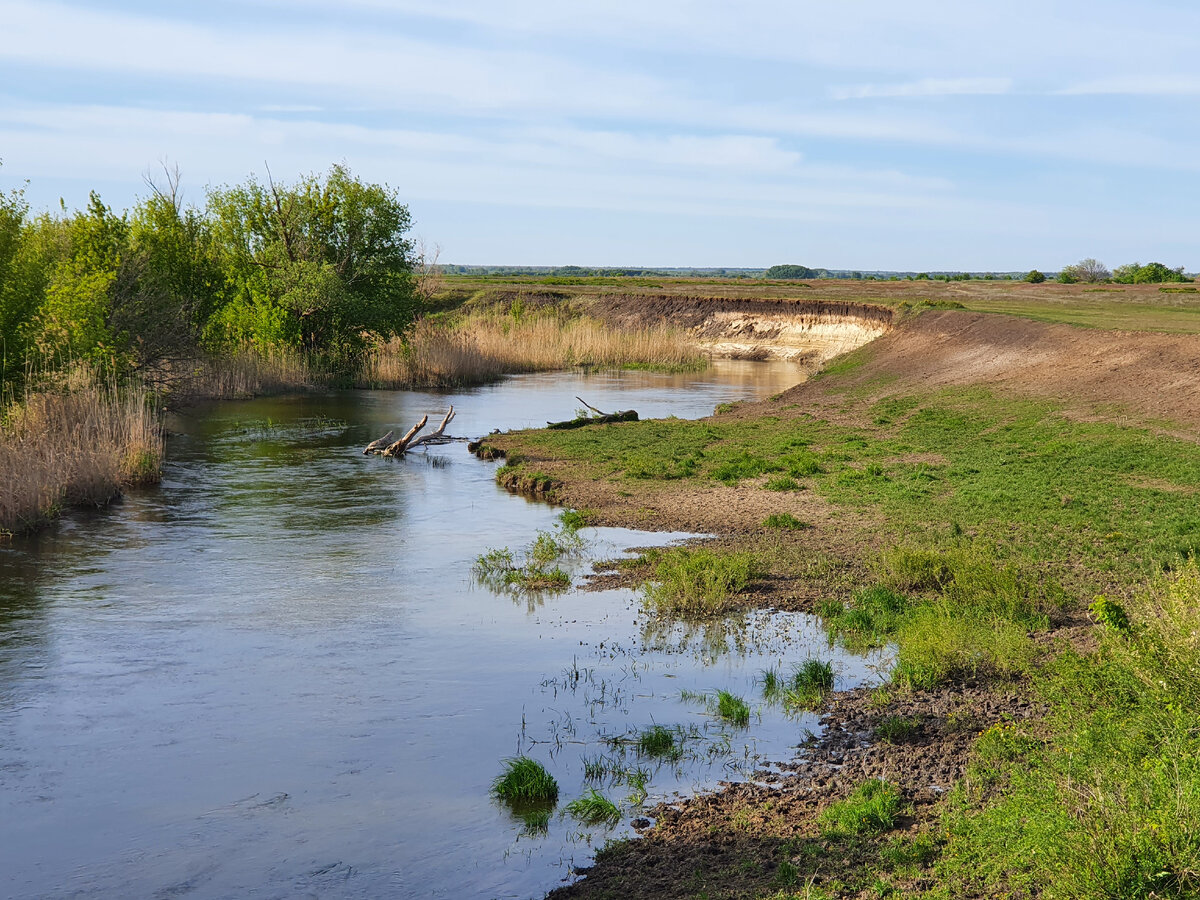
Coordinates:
860	135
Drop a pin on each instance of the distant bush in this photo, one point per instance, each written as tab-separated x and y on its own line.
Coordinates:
791	272
1035	277
1088	271
1150	273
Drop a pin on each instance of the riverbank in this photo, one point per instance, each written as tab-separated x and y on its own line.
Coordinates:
963	488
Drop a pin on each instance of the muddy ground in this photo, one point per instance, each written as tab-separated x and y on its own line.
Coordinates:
755	839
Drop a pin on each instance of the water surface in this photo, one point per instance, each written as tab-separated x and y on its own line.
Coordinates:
275	676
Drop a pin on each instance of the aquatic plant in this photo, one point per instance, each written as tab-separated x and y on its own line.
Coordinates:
656	741
698	582
525	781
593	808
732	709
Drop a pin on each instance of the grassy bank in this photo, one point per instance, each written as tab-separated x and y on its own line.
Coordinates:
978	531
74	443
483	345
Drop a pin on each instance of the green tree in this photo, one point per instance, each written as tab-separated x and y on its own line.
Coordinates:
320	264
791	272
1151	273
1088	271
1035	277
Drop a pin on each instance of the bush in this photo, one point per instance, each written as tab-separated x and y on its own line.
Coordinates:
1035	277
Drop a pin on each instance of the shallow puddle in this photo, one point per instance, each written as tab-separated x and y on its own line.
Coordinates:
276	676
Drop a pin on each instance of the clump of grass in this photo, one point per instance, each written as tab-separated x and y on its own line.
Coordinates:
500	570
525	781
897	729
699	582
809	684
805	688
656	741
783	483
571	520
593	808
873	616
870	809
939	645
785	522
732	709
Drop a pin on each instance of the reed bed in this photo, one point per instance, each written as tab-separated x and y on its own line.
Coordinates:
481	349
242	374
76	442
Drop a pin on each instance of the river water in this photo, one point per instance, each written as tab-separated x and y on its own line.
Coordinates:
275	676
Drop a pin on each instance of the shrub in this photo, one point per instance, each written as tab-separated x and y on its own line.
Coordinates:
1035	277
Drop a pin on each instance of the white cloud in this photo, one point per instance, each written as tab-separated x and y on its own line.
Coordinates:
925	87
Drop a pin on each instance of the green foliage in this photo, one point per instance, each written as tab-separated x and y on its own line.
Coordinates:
1150	273
593	808
875	614
790	272
1110	613
698	582
1107	805
317	264
871	808
897	729
1035	277
525	781
500	570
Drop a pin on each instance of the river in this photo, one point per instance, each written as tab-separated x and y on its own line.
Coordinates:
274	675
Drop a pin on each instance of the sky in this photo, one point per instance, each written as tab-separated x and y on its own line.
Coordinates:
862	134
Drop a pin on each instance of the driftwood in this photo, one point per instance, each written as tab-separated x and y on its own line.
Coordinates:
600	418
413	438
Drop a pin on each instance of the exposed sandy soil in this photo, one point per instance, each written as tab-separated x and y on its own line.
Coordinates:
1114	375
730	843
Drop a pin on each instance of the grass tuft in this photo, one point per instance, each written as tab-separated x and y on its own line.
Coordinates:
525	781
593	808
871	808
732	709
698	582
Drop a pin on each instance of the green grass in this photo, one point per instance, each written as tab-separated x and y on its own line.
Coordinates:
525	781
804	688
897	729
656	741
785	522
732	709
537	572
870	809
593	808
697	583
1103	799
783	483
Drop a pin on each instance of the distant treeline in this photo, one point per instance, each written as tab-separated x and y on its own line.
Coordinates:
781	272
321	266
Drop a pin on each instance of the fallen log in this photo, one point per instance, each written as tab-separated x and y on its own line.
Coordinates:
600	418
412	438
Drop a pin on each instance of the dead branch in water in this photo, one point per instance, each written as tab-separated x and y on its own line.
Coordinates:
412	438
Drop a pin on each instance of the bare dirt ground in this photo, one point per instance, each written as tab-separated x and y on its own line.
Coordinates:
731	843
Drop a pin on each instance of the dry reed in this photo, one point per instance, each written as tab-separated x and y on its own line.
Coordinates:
481	349
240	375
74	443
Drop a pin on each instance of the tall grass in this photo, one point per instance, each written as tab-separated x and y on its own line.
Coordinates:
73	443
434	353
238	375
